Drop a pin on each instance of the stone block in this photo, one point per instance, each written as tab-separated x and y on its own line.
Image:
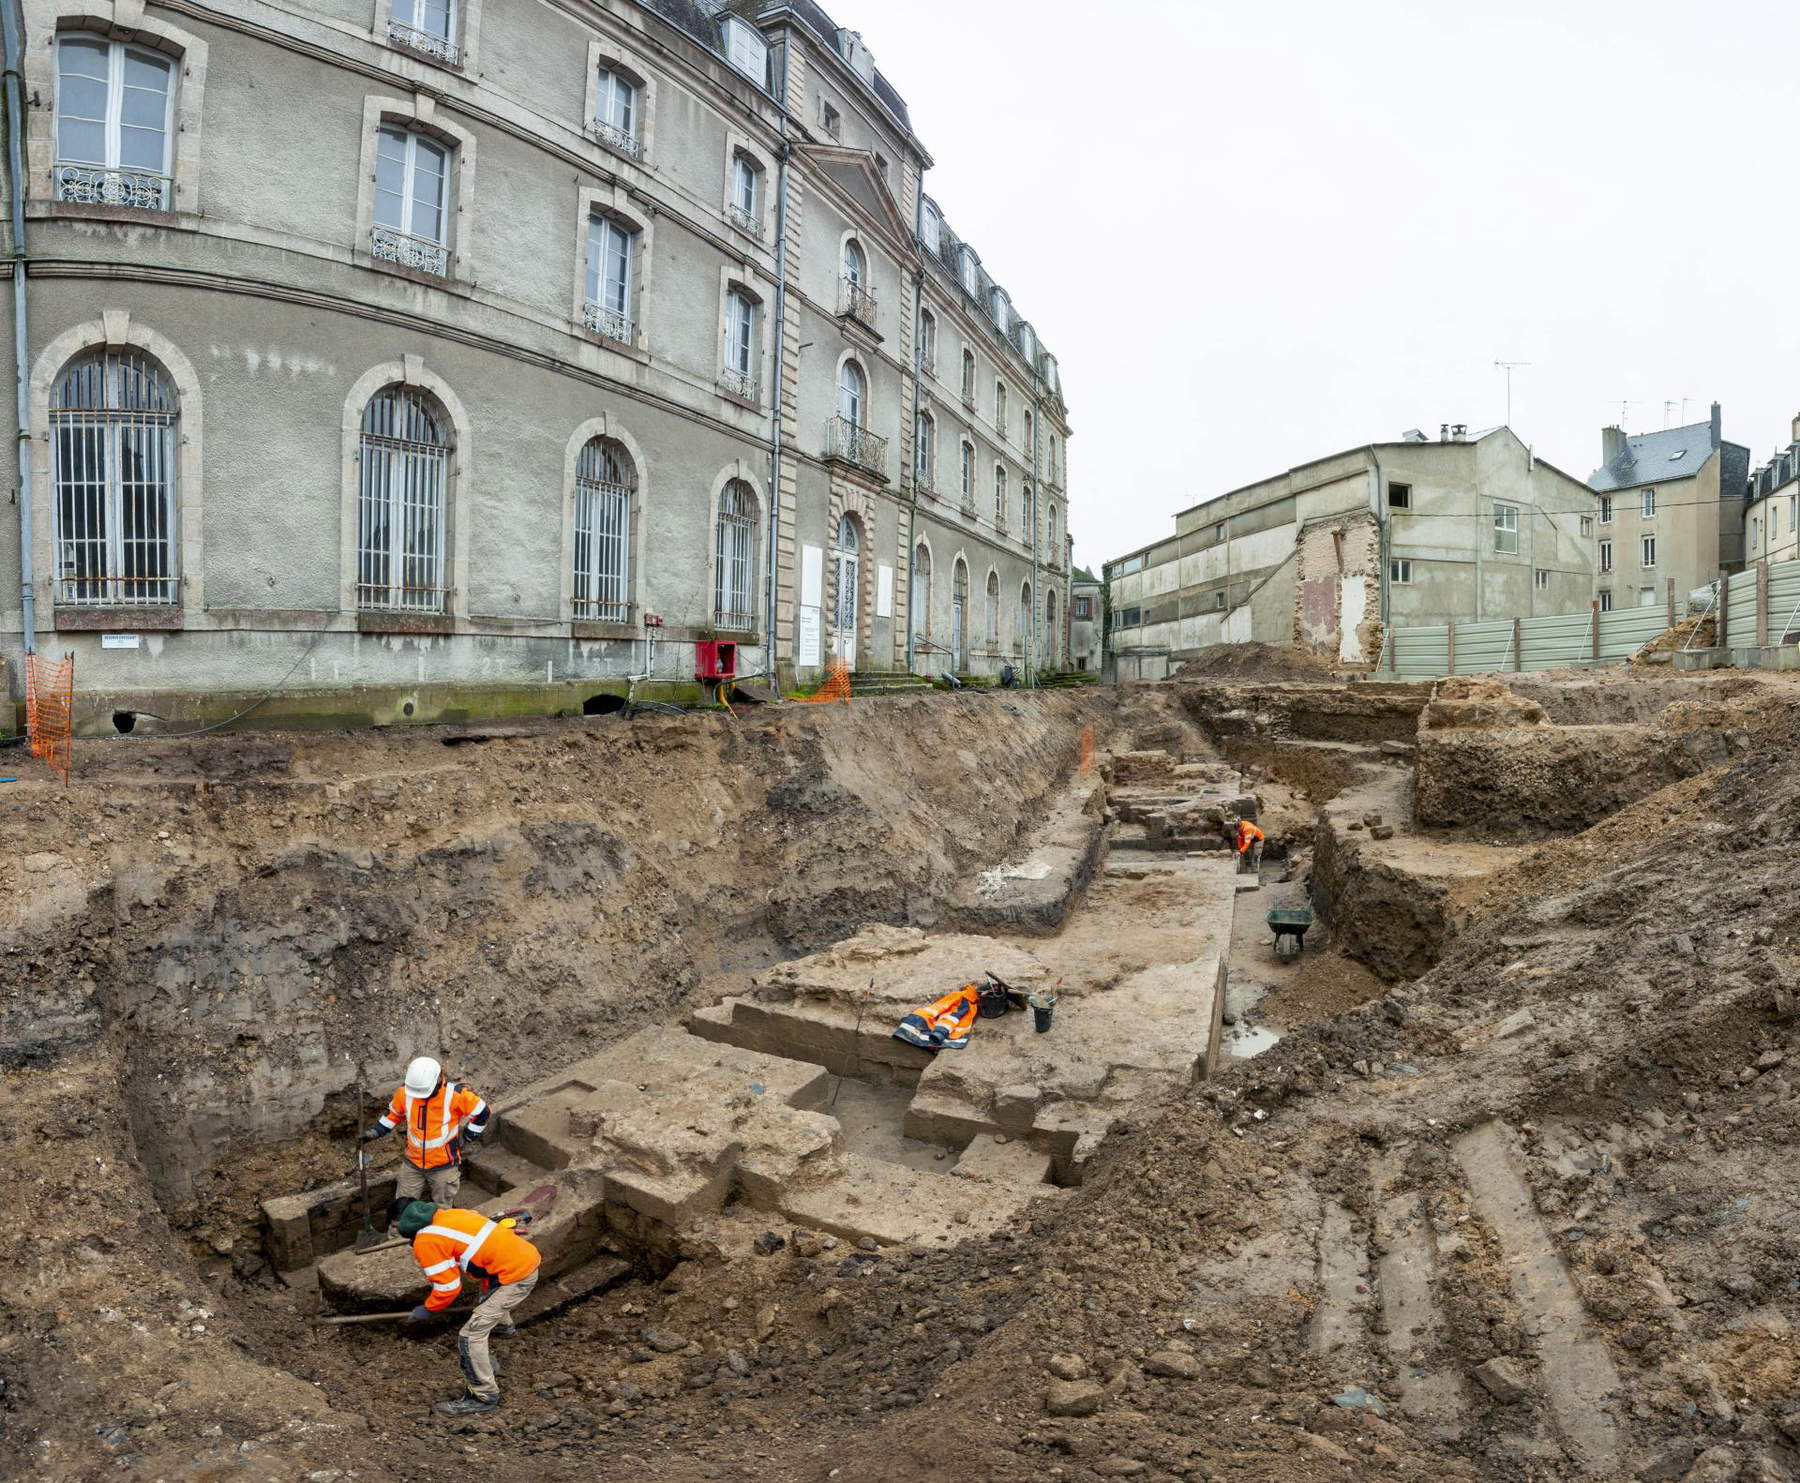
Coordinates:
1012	1162
1504	1379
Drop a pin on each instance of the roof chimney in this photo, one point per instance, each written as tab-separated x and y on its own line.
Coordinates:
1717	426
1443	432
1612	444
1796	428
1459	431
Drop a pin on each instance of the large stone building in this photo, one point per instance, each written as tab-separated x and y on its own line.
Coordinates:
433	355
1327	555
1772	512
1671	511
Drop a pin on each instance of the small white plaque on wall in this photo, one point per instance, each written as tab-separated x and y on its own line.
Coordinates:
810	630
884	591
121	640
812	576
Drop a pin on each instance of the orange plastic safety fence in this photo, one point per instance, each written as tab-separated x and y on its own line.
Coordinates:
1087	750
50	710
836	686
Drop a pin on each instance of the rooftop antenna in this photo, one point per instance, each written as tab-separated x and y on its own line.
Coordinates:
1509	366
1668	408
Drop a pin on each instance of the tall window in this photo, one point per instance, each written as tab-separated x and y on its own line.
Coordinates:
1649	551
1026	445
1649	504
405	458
1506	529
733	570
1606	556
1055	471
852	393
959	614
412	184
927	341
113	435
616	110
920	616
924	449
1606	509
611	249
427	26
1024	615
968	377
603	484
993	610
113	129
1050	634
856	264
1050	528
968	476
746	194
1000	407
1000	495
740	344
1028	515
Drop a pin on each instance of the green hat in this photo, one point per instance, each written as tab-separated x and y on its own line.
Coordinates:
416	1217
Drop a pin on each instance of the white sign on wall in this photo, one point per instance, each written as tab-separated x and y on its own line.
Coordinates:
884	591
812	576
120	640
811	627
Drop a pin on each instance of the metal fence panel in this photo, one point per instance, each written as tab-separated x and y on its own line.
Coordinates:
1784	601
1626	630
1484	646
1557	640
1421	653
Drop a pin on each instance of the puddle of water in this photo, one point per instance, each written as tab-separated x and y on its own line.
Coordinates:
1243	1040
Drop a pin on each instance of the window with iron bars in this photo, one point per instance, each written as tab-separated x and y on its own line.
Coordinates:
604	479
734	564
405	457
113	434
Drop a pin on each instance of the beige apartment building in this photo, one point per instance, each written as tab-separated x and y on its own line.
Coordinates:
1328	555
1772	511
1672	511
427	356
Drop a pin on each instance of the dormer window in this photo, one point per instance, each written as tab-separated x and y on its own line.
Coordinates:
746	50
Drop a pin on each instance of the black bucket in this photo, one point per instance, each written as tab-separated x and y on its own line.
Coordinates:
1043	1007
991	997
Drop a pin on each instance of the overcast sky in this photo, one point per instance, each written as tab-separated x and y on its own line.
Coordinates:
1257	234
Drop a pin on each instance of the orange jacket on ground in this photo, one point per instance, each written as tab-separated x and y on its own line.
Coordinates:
943	1024
1247	835
435	1124
459	1241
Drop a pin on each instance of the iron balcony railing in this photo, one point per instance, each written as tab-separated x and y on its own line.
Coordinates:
740	384
856	301
615	138
855	444
615	324
94	185
928	363
425	43
393	246
747	222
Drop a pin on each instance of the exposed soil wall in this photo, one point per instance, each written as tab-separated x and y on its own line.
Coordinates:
1341	713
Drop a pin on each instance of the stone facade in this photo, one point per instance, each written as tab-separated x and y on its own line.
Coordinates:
432	361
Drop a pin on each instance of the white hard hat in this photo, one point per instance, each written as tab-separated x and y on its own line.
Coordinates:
422	1075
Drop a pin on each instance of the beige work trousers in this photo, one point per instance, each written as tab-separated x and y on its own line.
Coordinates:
412	1182
495	1311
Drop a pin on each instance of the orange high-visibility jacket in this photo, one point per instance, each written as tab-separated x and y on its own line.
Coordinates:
435	1124
943	1024
1247	835
459	1241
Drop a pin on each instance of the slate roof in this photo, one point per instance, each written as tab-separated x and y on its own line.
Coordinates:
1655	458
1082	574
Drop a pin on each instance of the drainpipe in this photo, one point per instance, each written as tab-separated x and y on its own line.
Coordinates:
911	436
1034	646
780	338
11	33
1385	546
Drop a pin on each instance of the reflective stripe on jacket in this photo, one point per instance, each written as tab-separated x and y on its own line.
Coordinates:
459	1241
945	1023
435	1124
1247	835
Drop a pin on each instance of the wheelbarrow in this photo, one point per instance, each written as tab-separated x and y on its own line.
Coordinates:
1289	924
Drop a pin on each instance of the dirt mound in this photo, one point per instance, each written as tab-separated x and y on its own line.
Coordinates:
1696	631
1256	661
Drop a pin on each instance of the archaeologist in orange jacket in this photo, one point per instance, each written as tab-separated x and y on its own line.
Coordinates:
438	1116
446	1243
1249	845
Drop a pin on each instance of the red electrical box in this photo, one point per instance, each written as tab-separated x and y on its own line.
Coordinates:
715	659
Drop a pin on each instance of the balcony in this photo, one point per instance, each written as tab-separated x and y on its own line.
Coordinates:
620	141
854	444
94	185
747	222
425	43
928	363
740	384
611	324
407	251
925	481
856	301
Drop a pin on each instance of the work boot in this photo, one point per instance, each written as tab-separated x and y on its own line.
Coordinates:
467	1404
507	1331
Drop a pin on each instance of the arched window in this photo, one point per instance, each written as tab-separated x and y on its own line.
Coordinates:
1050	527
847	588
1050	644
612	253
1000	495
856	263
1055	476
604	480
921	590
993	613
412	189
924	449
114	106
853	389
959	615
1029	433
114	429
734	571
616	111
927	342
1024	636
405	457
968	477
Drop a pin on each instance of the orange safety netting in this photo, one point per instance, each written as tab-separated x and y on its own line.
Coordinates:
1087	750
836	686
50	710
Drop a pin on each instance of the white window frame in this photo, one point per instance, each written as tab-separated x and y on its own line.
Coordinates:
1400	571
742	370
603	514
853	393
1647	552
408	30
412	242
734	535
971	373
993	613
638	143
1001	510
1606	509
1000	406
1506	524
1540	579
618	110
409	114
924	448
1587	525
1606	556
968	475
610	293
746	215
1647	509
108	181
1606	599
928	338
406	480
